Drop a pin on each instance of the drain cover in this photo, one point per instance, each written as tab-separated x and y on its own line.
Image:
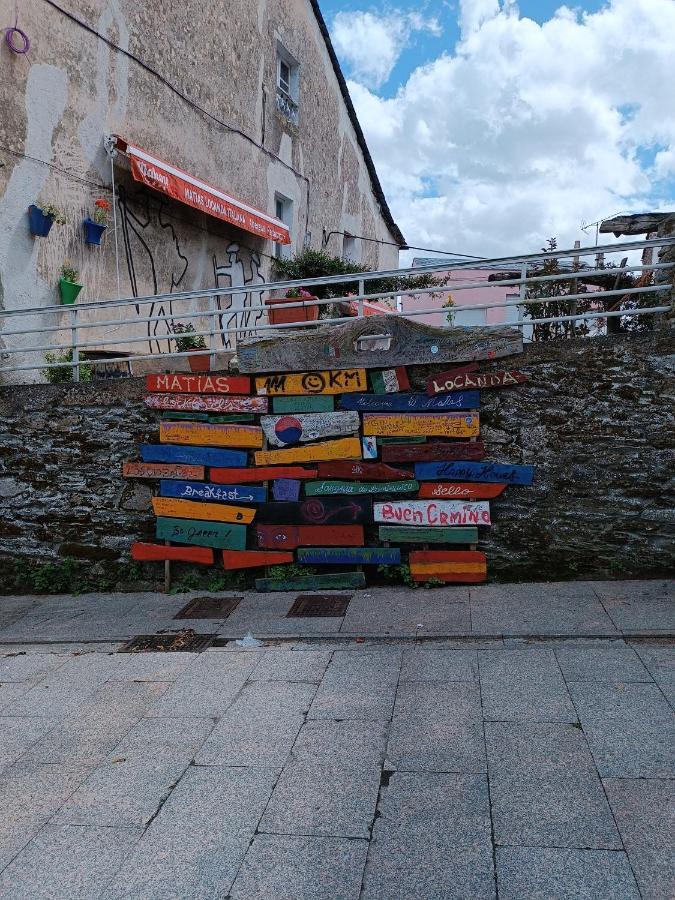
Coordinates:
208	608
307	605
187	641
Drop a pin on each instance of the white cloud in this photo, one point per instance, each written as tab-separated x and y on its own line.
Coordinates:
524	130
371	44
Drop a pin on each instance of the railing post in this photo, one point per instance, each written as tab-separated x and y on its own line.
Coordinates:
523	286
362	290
73	343
213	318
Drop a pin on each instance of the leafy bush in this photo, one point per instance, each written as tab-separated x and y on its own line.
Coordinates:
68	273
187	340
64	374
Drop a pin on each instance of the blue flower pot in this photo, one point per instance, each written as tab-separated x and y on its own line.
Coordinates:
93	232
40	224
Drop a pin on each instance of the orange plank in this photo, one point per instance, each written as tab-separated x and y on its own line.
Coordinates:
422	425
203	435
462	566
250	559
179	471
206	512
343	448
140	551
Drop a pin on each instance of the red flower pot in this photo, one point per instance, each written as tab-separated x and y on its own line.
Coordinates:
200	363
281	316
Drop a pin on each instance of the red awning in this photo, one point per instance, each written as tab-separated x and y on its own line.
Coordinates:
161	176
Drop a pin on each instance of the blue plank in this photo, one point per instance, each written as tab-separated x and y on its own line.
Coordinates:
222	493
286	489
336	556
473	471
198	456
410	402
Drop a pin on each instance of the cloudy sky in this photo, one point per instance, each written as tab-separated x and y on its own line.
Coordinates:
495	125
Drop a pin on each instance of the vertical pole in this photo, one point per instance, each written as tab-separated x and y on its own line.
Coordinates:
574	289
521	294
362	290
73	343
114	206
213	319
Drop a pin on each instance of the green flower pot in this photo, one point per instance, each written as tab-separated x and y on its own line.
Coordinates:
69	291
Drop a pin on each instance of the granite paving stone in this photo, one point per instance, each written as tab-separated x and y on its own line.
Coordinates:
292	665
444	701
312	868
28	665
537	749
423	663
526	699
600	664
341	743
344	697
528	873
527	662
18	734
639	606
632	750
168	739
640	704
445	611
151	666
11	691
659	659
378	665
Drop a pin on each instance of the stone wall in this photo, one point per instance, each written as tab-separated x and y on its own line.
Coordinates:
595	419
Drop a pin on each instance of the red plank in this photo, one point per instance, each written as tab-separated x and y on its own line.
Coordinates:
179	471
362	471
288	537
447	382
440	451
449	375
459	490
141	551
251	559
199	384
263	473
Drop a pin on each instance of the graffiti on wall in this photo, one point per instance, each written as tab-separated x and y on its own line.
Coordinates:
243	310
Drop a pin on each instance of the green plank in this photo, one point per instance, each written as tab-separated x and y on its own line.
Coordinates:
187	416
422	535
319	403
202	534
233	417
320	488
401	440
336	581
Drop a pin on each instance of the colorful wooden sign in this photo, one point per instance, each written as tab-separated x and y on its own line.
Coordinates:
141	551
253	559
209	512
324	511
410	402
204	534
369	447
220	493
264	473
366	471
199	384
288	537
162	470
472	471
439	450
282	431
350	556
390	381
427	424
286	489
410	534
432	513
453	566
321	488
210	435
196	403
306	404
343	448
337	381
462	490
338	581
198	456
451	381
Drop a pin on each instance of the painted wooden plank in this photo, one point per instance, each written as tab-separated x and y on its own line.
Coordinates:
410	534
306	404
411	402
461	566
322	488
350	556
361	343
447	381
288	537
185	417
286	489
473	471
253	559
335	581
460	490
282	431
220	493
369	447
432	513
437	451
389	381
234	417
317	511
162	470
214	404
342	448
264	473
427	424
208	512
199	384
199	456
204	534
366	471
210	435
142	551
334	381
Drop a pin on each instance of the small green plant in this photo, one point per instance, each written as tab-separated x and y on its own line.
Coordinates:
187	339
292	570
52	212
397	574
68	273
63	374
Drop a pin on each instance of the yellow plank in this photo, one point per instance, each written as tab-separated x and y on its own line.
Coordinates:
432	568
337	381
447	425
345	448
203	435
207	512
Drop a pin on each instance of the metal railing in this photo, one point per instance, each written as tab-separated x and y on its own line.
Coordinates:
118	323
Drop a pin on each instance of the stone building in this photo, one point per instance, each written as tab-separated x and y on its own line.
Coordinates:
245	97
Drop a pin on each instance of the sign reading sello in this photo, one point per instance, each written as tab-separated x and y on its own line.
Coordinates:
433	513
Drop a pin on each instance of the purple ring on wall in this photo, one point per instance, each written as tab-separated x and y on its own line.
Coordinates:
9	38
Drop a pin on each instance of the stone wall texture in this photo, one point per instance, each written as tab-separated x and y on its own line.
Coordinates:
595	419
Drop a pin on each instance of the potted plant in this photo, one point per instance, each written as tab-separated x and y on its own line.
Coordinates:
285	316
68	284
94	228
41	218
189	341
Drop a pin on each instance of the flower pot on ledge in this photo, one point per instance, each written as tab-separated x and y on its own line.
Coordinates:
281	316
93	232
201	363
68	291
40	224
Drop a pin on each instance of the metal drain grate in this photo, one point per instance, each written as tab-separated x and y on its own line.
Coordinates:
208	608
187	641
309	605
